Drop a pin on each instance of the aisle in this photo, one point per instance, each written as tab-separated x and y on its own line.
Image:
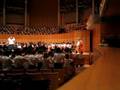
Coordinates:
104	74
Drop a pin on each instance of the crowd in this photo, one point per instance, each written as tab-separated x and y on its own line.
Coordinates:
25	58
20	29
36	55
37	29
21	59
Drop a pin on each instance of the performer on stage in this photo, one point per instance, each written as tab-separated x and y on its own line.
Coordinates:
11	40
79	47
11	45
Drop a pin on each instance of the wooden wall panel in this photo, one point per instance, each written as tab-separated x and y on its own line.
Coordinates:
96	35
69	17
15	19
44	12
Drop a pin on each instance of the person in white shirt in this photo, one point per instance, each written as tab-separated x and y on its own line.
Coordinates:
79	47
11	45
11	40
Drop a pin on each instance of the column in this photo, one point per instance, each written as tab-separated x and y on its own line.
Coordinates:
58	13
25	14
4	12
77	13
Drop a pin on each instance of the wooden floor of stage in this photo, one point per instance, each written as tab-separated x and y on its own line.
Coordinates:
104	74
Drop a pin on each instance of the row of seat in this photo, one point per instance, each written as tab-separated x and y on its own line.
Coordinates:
56	77
42	30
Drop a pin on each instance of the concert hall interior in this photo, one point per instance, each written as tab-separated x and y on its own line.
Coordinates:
59	44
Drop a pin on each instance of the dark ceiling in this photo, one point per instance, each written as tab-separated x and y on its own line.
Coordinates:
70	5
18	6
65	5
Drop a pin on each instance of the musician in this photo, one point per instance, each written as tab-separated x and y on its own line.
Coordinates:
79	46
11	44
11	40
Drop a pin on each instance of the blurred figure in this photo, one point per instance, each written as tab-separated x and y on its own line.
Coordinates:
11	45
79	47
11	40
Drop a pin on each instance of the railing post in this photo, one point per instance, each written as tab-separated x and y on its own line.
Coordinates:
25	14
77	13
4	12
